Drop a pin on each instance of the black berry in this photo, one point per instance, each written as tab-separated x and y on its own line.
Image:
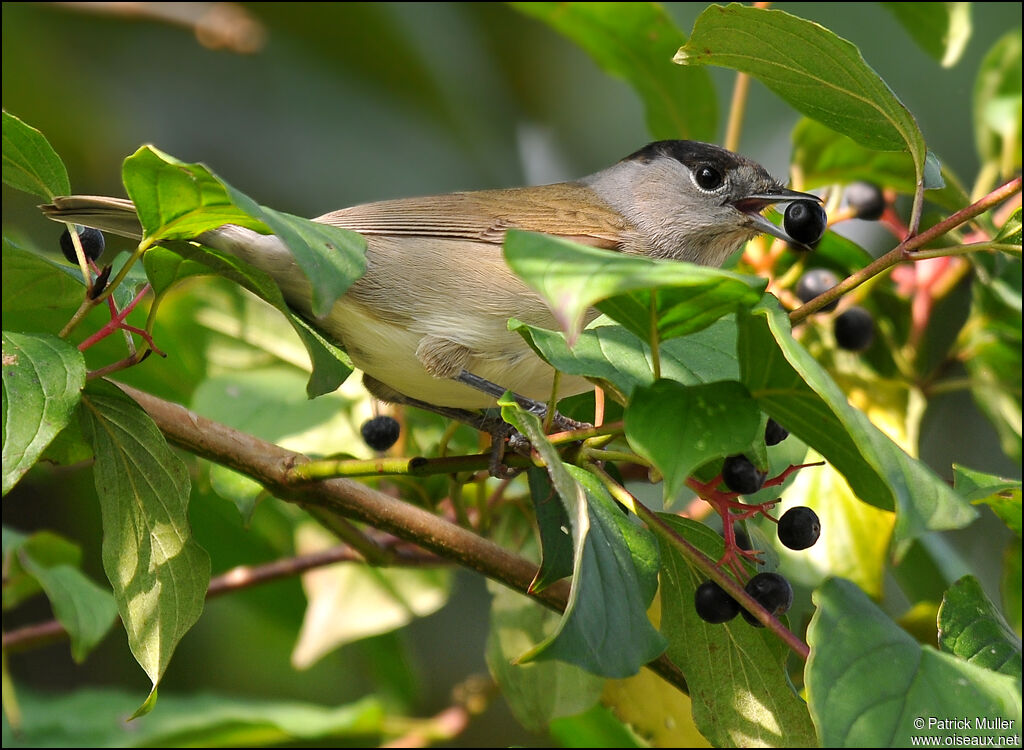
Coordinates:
772	592
866	199
774	433
92	244
815	282
799	528
741	476
380	433
854	329
713	604
805	222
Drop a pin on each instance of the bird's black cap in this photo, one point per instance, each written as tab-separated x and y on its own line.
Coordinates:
690	153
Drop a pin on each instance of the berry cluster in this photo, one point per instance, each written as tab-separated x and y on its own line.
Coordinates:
854	328
798	529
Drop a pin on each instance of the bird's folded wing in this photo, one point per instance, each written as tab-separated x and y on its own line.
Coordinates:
484	216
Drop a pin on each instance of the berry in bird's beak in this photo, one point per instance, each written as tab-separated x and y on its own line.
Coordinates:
753	205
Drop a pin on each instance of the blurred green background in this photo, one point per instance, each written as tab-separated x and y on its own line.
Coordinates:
353	102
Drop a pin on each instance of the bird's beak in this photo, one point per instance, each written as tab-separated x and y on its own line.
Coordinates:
753	205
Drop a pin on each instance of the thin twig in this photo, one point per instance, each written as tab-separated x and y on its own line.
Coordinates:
241	577
737	110
903	251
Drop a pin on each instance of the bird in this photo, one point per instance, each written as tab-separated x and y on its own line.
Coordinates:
427	322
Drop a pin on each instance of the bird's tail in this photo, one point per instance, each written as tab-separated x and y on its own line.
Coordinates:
115	215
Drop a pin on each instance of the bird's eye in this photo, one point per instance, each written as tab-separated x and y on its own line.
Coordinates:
708	178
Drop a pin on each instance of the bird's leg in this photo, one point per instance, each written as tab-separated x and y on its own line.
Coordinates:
444	358
501	432
536	408
491	425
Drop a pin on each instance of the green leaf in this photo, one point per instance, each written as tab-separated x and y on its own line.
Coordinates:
991	347
84	609
826	157
574	505
158	572
49	549
635	42
691	302
268	402
868	681
243	492
34	283
553	524
572	278
794	389
971	628
176	200
331	366
538	691
95	718
43	380
165	268
605	629
839	253
679	428
652	709
940	29
332	258
736	674
29	161
1010	232
1002	495
931	565
619	361
598	727
1010	584
49	562
351	601
997	105
820	74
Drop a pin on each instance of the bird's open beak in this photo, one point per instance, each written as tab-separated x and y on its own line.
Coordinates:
753	205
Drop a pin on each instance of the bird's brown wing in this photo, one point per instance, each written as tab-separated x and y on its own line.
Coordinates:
485	215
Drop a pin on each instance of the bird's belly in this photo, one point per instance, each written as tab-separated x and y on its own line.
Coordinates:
387	352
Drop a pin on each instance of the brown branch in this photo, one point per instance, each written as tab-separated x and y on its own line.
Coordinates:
33	636
216	25
272	465
243	576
